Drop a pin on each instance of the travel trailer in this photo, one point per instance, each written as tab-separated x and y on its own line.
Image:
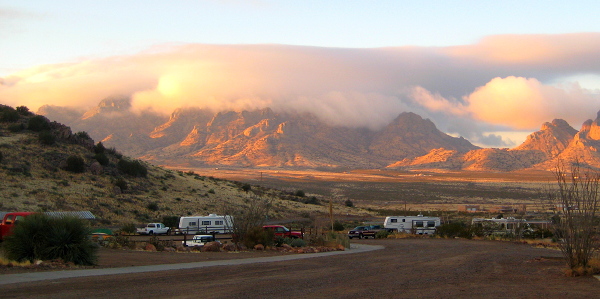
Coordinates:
211	224
420	225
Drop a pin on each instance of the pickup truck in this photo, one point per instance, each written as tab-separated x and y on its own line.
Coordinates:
361	232
284	232
366	231
8	222
154	229
199	241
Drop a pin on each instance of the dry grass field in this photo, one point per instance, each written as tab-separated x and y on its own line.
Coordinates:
387	190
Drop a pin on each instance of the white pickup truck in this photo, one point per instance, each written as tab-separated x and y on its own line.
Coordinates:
154	229
199	241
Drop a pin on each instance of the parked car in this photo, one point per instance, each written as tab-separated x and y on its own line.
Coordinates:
361	232
154	229
284	232
199	241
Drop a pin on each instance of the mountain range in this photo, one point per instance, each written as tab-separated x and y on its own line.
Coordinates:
263	138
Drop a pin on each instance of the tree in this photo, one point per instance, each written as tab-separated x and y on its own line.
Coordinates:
248	217
577	197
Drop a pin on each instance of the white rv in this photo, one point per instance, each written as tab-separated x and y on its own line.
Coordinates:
420	225
211	224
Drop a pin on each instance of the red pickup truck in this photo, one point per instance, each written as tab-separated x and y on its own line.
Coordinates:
8	222
284	232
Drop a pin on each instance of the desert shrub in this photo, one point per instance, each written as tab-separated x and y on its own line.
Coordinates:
211	191
46	137
8	114
75	164
454	229
246	187
312	201
83	135
171	221
349	203
382	234
258	235
133	168
129	228
338	226
121	183
23	110
298	243
38	123
99	148
300	193
102	159
153	206
16	128
1	157
41	237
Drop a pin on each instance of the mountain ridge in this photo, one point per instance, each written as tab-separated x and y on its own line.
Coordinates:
265	138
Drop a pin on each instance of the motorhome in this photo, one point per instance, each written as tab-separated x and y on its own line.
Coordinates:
420	225
211	224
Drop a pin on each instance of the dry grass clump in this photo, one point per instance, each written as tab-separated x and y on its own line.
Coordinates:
592	268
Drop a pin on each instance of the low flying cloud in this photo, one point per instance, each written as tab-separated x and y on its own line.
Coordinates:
500	83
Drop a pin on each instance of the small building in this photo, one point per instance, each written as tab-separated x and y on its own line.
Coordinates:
470	208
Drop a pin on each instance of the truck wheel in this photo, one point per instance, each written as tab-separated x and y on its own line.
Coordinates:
168	232
150	233
349	237
360	236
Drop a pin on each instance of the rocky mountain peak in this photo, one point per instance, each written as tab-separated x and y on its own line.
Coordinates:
109	105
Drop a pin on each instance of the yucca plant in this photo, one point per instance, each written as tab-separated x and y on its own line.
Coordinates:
42	237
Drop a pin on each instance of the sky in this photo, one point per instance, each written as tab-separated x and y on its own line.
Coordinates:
490	71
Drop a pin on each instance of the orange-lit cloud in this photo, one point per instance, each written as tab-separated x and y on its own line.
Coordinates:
502	81
523	103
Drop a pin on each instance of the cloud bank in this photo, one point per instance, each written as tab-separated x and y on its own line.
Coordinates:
500	83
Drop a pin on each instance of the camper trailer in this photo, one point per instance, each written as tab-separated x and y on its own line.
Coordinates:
211	224
420	225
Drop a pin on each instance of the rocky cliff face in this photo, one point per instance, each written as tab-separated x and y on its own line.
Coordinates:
264	138
259	138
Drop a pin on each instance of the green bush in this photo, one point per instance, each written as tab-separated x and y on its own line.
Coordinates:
75	164
46	137
133	168
23	110
171	221
153	206
129	228
38	123
258	235
8	114
16	128
298	243
300	193
349	203
1	157
102	159
338	226
83	135
121	183
99	148
382	234
454	229
42	237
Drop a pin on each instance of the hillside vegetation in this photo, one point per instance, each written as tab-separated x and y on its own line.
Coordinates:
46	167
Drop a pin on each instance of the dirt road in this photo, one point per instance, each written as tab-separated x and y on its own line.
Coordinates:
406	268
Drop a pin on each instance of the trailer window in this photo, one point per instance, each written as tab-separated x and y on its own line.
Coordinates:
393	220
219	222
192	223
205	222
419	223
403	220
430	223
